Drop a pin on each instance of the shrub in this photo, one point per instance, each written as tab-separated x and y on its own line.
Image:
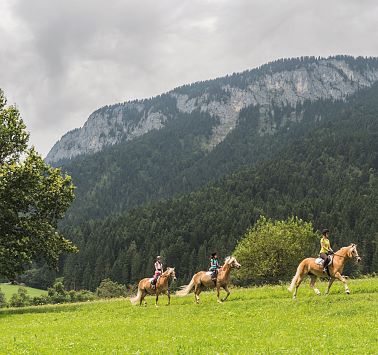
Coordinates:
57	293
40	300
81	296
20	299
271	250
110	289
3	301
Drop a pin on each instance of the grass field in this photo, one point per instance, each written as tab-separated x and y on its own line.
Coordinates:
9	290
262	320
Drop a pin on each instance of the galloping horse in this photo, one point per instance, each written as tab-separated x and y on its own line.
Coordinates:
309	267
162	286
203	279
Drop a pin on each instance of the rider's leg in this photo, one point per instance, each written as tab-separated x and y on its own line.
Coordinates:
324	256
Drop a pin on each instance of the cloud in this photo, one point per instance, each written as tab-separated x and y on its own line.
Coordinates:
61	60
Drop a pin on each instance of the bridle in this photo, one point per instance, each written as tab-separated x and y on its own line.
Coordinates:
347	257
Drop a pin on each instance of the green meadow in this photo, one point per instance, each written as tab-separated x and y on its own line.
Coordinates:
258	320
9	290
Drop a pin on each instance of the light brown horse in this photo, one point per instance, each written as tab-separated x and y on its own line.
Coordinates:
162	286
202	279
309	267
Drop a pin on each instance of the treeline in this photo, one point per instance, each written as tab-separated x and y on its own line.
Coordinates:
327	176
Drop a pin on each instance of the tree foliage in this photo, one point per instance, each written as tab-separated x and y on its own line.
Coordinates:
111	289
271	250
33	197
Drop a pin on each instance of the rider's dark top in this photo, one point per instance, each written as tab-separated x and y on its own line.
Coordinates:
214	264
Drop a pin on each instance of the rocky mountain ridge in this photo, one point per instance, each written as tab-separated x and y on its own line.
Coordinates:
277	84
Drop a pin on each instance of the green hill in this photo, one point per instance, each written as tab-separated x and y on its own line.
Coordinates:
326	175
9	290
254	321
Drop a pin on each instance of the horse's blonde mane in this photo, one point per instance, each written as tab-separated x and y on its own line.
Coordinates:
228	260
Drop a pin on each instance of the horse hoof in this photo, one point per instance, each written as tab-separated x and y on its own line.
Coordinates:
347	292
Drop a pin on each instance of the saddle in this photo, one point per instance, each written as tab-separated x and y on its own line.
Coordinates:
152	280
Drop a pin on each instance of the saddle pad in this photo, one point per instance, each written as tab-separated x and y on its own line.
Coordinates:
319	261
209	273
152	279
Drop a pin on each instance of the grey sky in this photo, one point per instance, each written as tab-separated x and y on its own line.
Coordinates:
61	60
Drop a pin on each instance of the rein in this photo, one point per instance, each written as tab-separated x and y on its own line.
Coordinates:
341	256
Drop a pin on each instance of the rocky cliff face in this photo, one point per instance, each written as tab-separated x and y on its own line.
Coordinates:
275	84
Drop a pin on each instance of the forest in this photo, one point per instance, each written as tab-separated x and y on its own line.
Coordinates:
322	170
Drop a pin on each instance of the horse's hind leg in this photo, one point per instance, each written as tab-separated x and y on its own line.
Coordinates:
312	284
142	299
297	284
197	291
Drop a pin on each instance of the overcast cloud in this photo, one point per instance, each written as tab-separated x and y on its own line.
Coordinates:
61	60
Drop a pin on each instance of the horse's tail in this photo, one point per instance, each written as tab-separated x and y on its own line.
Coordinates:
136	299
295	278
185	290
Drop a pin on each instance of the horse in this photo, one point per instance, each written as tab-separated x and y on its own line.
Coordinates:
202	279
162	286
309	267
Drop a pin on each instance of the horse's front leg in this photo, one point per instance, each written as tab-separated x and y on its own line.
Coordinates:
157	298
169	297
218	293
343	280
228	293
330	282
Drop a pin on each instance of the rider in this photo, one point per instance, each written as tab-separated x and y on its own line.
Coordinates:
158	271
214	266
325	248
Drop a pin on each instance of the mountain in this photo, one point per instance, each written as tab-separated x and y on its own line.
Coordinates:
141	151
280	83
326	173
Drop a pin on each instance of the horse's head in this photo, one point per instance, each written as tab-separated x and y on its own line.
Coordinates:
353	253
171	273
231	260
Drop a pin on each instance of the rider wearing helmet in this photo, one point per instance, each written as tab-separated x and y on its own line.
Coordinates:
158	271
326	249
214	266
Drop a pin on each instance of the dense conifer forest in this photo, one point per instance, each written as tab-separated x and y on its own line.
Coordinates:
323	170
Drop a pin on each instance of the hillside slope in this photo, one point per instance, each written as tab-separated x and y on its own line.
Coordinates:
327	175
211	129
